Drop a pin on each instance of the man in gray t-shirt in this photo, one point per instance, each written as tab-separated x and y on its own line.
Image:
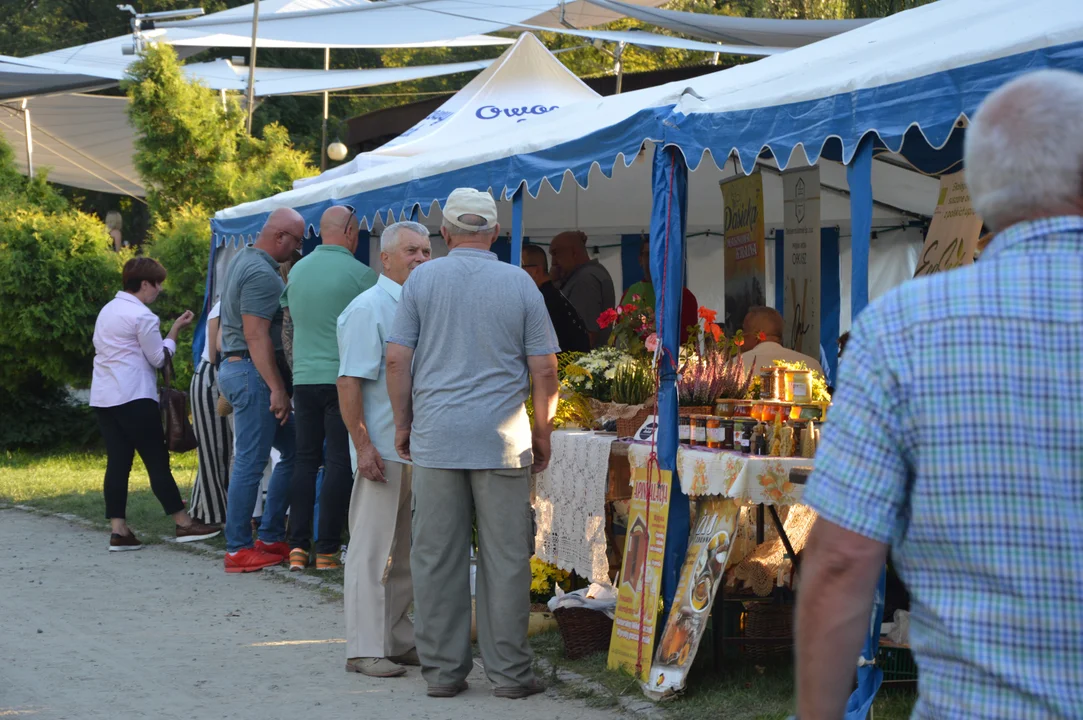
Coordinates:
585	282
470	336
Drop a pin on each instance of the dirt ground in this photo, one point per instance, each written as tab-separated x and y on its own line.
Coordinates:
161	633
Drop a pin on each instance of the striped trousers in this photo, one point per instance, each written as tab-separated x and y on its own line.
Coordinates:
215	439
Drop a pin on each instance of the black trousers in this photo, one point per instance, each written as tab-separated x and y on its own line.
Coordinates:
135	426
317	418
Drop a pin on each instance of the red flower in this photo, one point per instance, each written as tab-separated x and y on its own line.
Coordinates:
762	336
739	341
715	331
630	307
707	314
607	318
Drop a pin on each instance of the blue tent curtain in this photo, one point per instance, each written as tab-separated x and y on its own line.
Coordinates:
869	677
629	260
669	213
516	252
830	299
859	178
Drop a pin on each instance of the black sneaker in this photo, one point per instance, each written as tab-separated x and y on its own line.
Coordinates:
123	543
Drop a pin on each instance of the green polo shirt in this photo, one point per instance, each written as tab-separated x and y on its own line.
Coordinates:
320	287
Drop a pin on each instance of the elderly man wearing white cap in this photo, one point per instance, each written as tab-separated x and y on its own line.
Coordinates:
470	335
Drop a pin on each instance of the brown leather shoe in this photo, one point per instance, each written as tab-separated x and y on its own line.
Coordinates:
122	543
196	531
447	691
518	692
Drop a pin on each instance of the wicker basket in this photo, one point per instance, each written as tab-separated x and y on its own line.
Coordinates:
690	410
584	631
768	621
626	427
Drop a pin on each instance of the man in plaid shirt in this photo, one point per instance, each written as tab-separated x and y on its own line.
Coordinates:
957	441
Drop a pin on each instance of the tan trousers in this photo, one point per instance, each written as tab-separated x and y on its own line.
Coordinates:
378	587
444	503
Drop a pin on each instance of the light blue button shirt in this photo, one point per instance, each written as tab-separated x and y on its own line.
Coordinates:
363	329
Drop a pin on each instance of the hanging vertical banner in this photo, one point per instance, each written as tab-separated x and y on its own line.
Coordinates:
953	233
745	271
632	642
708	555
801	247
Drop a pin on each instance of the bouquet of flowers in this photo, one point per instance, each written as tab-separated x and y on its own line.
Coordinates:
592	374
632	324
711	365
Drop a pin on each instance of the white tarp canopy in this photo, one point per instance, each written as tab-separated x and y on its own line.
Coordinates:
768	32
523	84
406	23
84	140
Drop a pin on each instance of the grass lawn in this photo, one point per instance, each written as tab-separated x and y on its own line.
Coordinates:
739	691
72	483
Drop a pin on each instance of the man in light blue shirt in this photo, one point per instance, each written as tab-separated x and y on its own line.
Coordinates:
378	587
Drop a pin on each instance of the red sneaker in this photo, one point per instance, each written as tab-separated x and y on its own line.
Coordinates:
279	549
249	560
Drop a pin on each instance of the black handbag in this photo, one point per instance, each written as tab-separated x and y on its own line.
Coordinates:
179	435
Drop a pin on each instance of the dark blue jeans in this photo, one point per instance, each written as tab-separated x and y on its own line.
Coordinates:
256	430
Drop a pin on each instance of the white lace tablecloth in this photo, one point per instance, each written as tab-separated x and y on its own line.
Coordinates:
569	502
752	478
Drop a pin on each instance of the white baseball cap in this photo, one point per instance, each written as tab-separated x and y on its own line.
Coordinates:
468	201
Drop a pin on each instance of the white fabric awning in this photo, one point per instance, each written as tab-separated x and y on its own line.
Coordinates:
768	32
84	140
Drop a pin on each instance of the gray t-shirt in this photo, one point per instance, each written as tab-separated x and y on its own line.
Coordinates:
472	322
253	287
589	289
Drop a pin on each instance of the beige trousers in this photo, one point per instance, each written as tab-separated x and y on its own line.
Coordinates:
377	586
444	503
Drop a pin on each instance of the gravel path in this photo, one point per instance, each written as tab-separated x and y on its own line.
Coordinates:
166	634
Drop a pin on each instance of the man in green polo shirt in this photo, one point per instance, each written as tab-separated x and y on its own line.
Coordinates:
320	287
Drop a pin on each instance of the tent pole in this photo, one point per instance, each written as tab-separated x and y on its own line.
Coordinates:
29	140
222	94
326	96
859	178
618	66
517	227
252	65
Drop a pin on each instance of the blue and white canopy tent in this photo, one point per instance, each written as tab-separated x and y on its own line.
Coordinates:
886	100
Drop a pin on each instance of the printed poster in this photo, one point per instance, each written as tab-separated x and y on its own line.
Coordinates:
641	572
708	554
954	230
801	248
745	261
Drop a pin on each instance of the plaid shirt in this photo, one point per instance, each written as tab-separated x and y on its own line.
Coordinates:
957	438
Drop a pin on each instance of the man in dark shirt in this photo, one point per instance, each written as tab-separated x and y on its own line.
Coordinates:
571	332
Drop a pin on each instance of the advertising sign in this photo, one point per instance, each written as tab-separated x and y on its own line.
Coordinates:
801	248
954	230
708	555
641	572
745	261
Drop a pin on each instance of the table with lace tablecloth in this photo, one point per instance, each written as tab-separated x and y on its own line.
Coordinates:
761	552
569	503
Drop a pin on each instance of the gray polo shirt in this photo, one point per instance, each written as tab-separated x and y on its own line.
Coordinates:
253	287
472	322
589	288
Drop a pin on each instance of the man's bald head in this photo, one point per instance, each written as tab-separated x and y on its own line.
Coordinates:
568	251
339	226
282	234
1023	160
762	319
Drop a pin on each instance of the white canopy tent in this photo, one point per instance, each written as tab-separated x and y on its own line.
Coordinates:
524	83
578	142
